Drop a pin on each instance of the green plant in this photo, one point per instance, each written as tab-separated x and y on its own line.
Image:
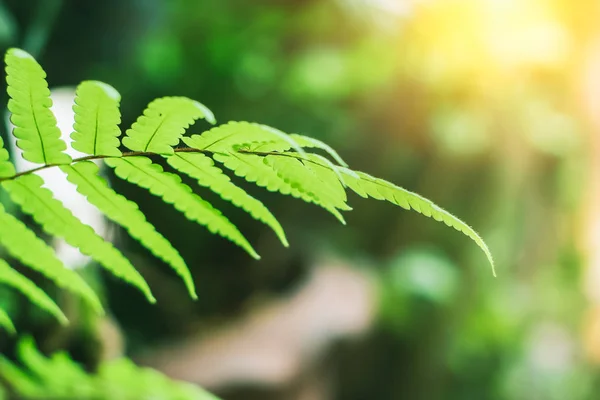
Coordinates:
258	153
59	377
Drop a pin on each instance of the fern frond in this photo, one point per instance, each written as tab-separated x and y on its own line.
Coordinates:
203	169
11	277
35	125
54	218
97	119
7	168
142	172
24	245
85	175
163	122
234	134
366	185
6	323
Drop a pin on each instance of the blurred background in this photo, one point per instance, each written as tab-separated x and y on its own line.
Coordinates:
491	108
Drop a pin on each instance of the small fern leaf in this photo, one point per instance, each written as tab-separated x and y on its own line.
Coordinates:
33	360
203	169
328	174
163	123
85	175
54	218
11	277
35	125
366	185
7	168
97	119
24	245
255	169
234	134
142	172
6	322
306	180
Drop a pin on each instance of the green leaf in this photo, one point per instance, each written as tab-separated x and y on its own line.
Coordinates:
11	277
6	322
20	381
54	218
163	123
306	181
35	125
203	169
85	175
233	135
366	185
142	172
32	251
97	119
255	169
60	377
7	169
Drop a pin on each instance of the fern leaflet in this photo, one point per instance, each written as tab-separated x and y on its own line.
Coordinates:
54	218
163	123
142	172
366	185
6	322
11	277
35	124
85	175
25	246
7	169
203	169
97	117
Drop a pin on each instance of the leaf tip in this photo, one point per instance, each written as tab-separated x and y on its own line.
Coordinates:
18	53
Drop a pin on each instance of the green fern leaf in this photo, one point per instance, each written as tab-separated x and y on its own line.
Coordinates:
203	169
254	169
54	218
6	322
35	125
327	173
11	277
234	134
7	169
85	175
366	185
305	180
163	123
33	359
97	119
32	251
142	172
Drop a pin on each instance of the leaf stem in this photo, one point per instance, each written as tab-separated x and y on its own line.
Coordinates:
125	154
